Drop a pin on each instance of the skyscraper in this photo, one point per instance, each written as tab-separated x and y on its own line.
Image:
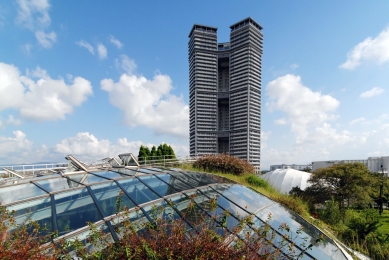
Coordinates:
225	91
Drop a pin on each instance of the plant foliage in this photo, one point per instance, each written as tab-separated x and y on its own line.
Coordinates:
224	163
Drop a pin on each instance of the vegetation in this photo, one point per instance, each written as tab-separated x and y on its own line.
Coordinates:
343	196
224	163
348	183
165	237
163	151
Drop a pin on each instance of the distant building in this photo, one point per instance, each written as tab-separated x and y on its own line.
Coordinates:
290	166
225	91
372	163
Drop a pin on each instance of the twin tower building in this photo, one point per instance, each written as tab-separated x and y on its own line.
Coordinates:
225	91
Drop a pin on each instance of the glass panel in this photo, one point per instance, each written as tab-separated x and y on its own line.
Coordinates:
161	210
246	198
135	219
107	195
86	178
177	184
156	169
144	170
125	172
83	237
138	191
34	210
201	179
57	184
110	175
213	209
19	192
158	186
74	209
281	216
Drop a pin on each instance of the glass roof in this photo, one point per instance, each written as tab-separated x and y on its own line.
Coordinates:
66	203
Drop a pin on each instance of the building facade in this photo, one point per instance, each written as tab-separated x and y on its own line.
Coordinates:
299	167
374	164
225	91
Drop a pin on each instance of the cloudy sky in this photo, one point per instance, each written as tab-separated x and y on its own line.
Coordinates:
97	78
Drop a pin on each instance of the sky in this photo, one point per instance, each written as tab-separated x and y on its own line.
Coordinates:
99	78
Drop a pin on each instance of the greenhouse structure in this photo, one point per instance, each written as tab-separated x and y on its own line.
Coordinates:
65	200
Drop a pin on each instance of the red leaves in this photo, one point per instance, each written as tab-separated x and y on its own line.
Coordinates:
224	163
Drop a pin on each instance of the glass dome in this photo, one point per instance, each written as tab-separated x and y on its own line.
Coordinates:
66	202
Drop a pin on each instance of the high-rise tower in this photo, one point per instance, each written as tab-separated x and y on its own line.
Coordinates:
225	91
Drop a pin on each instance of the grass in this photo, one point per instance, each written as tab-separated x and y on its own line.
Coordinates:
292	203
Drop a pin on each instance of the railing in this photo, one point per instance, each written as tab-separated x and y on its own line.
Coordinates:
166	160
31	169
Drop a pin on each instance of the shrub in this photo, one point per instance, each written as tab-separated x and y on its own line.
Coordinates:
224	163
257	181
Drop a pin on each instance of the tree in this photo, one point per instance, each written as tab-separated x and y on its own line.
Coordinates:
142	155
348	183
153	152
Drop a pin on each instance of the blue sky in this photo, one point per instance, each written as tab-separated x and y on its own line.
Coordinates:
97	78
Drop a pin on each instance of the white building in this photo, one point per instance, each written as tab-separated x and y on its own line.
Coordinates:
284	180
290	166
372	163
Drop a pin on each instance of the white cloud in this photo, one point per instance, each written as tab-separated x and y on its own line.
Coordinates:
102	51
13	121
372	92
375	50
46	39
115	42
86	146
86	45
125	63
13	147
34	15
304	108
27	48
43	99
357	120
294	66
281	121
149	103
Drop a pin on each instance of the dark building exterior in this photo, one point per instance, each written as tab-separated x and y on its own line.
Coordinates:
225	91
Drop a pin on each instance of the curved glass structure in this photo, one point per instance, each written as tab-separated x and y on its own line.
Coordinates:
65	202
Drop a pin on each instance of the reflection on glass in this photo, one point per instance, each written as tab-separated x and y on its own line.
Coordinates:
281	216
138	191
19	192
83	237
201	179
134	219
107	195
34	210
177	184
143	170
158	186
110	175
57	184
161	210
74	209
245	197
86	178
125	172
182	182
208	206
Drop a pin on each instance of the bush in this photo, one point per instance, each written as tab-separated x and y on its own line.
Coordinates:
224	163
257	181
331	213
